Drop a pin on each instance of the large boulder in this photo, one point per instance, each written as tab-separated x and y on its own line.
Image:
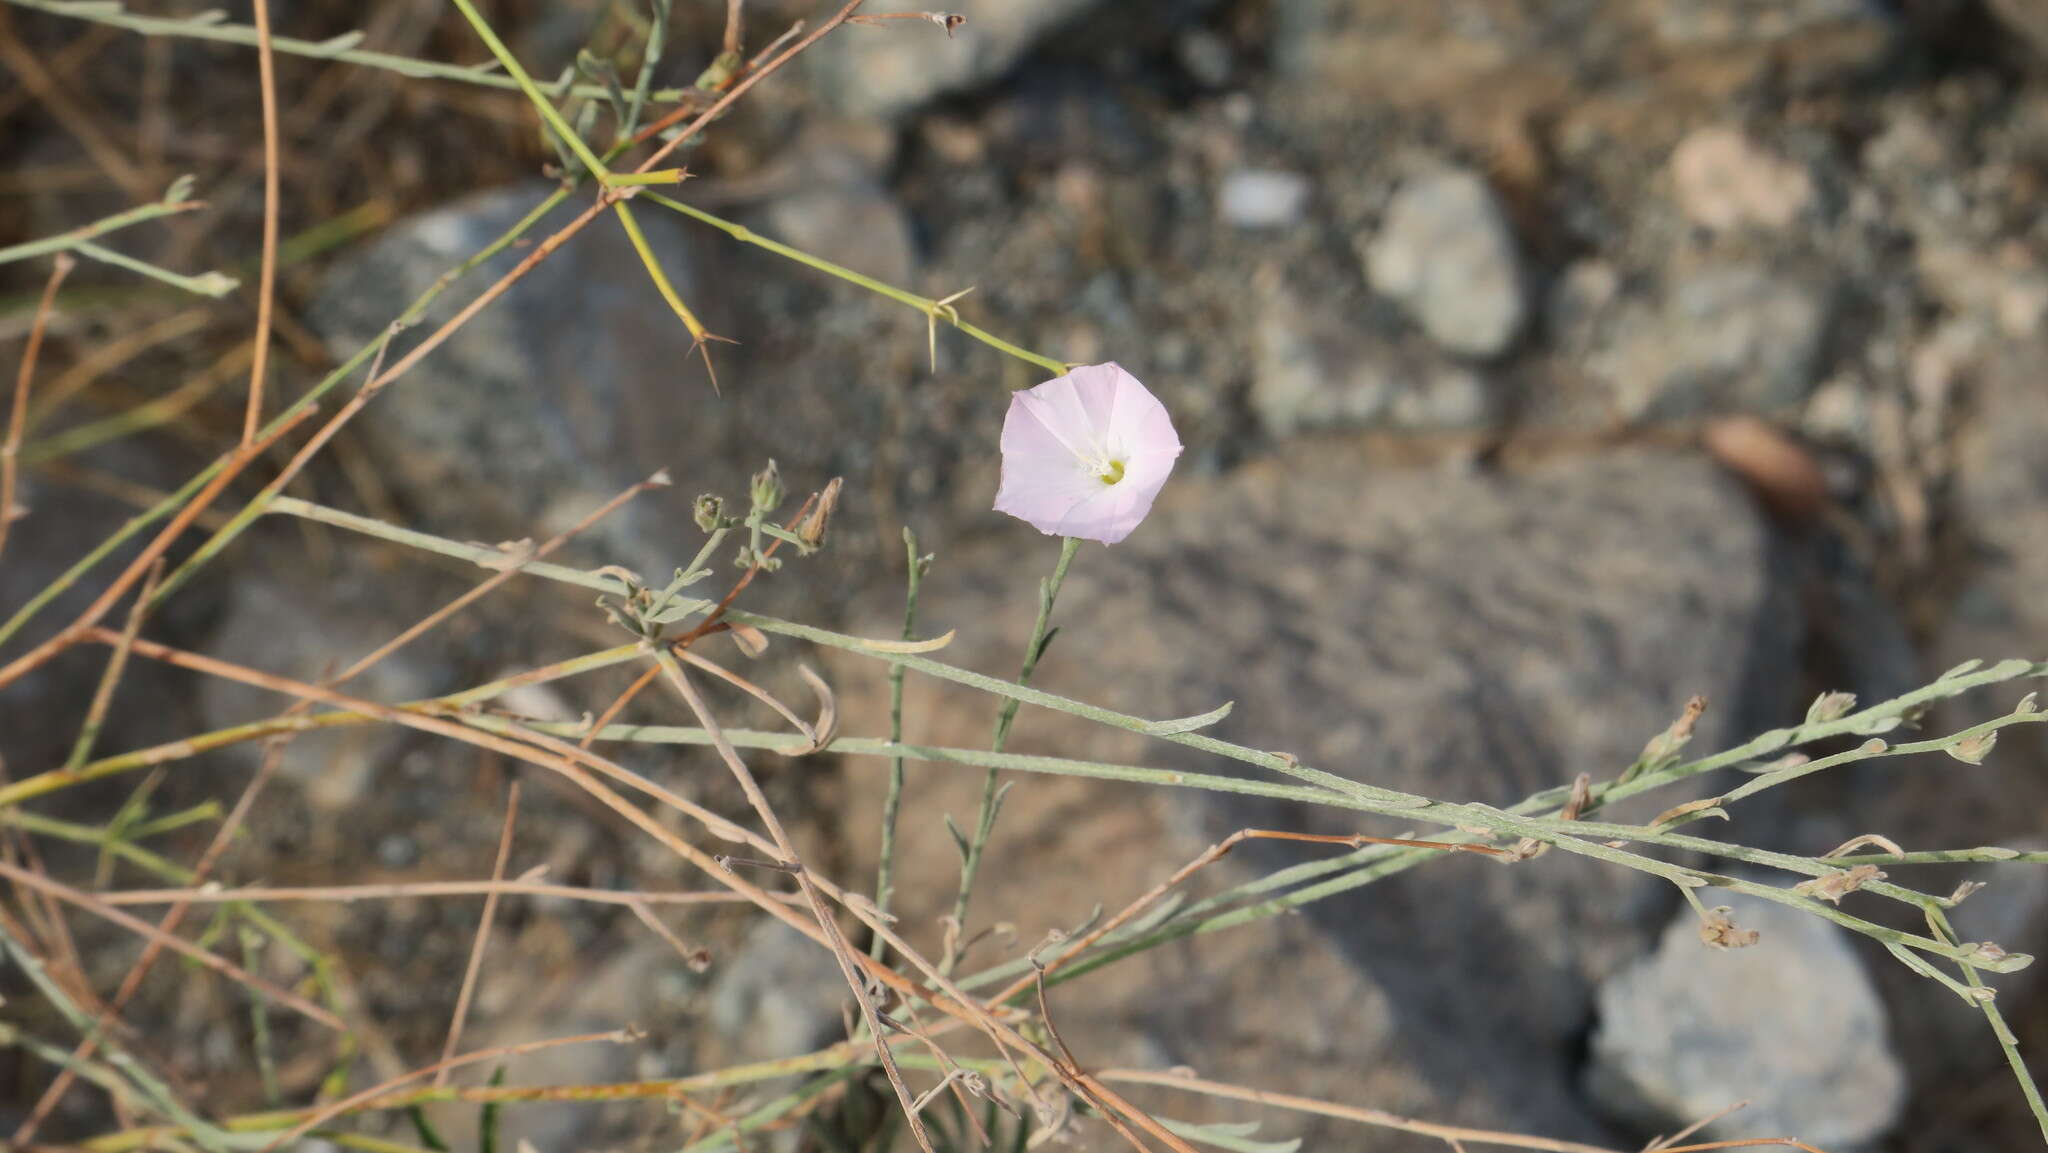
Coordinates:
1468	636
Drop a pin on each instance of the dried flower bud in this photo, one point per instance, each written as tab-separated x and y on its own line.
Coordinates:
1832	887
1718	932
1830	707
1973	750
812	531
709	509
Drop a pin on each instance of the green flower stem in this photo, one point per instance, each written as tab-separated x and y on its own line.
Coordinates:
991	793
892	799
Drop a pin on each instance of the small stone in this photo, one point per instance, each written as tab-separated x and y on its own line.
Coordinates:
1791	1024
839	210
1262	197
889	69
1314	368
1206	55
1446	254
778	995
1725	180
2027	18
397	851
1807	43
2005	287
1731	337
1751	21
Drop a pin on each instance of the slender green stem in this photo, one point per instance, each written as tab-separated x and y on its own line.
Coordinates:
654	272
78	236
342	48
484	555
833	1058
650	55
541	102
148	1086
2008	1042
892	800
991	793
214	284
929	307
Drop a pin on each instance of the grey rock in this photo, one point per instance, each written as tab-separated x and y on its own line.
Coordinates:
1812	42
1446	253
1262	197
890	69
2026	18
1791	1024
548	402
1725	180
1467	636
1751	21
778	995
41	713
1728	336
1315	368
836	207
310	634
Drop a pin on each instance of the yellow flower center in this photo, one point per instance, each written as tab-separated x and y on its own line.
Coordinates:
1112	472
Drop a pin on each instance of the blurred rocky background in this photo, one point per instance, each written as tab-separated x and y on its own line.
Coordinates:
1541	363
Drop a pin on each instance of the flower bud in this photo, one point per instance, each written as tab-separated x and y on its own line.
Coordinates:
766	490
709	509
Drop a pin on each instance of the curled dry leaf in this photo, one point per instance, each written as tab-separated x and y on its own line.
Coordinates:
1855	843
1698	810
512	554
750	640
827	725
1719	932
932	645
1780	469
1963	892
1832	887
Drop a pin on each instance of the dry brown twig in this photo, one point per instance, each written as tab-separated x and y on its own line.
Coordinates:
323	1115
266	291
524	886
17	419
131	983
483	936
228	969
232	466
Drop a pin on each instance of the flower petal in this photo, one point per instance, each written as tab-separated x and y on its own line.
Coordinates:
1061	438
1137	424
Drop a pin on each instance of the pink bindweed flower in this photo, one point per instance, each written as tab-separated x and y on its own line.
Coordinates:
1085	453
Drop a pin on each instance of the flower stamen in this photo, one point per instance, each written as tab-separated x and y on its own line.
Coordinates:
1112	472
